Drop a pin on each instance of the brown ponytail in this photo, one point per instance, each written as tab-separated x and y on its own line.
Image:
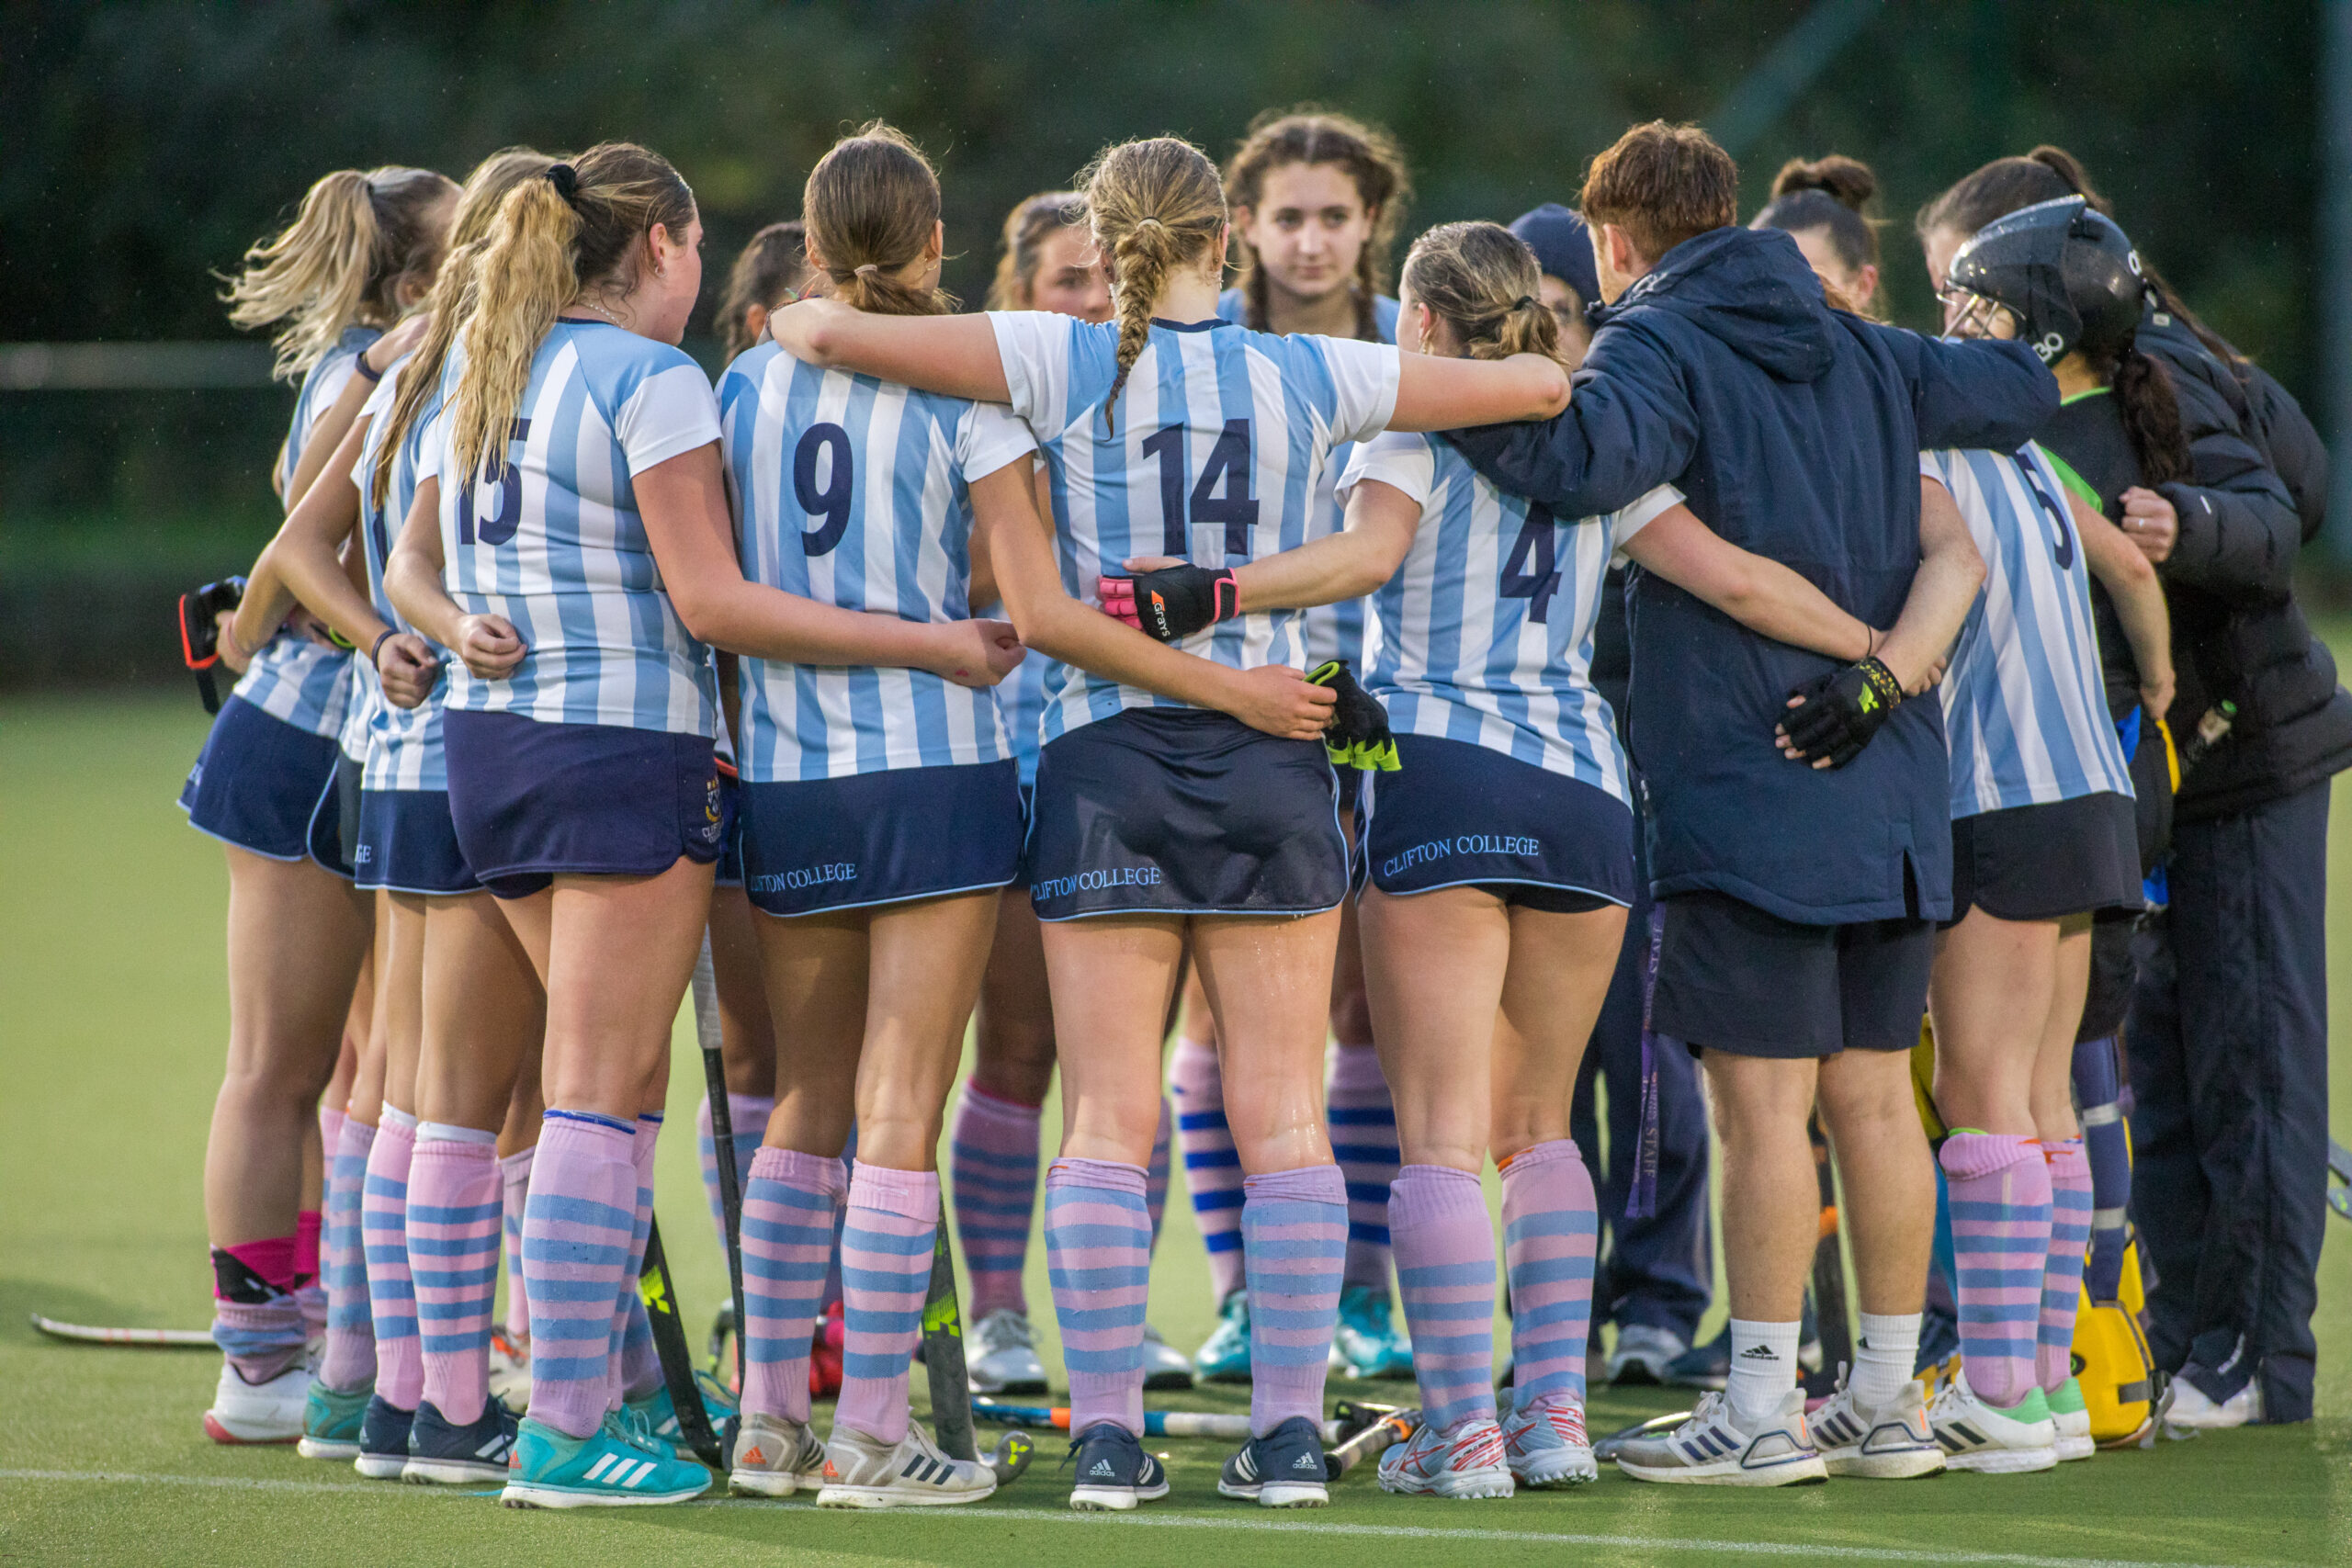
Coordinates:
340	263
2143	395
1372	159
1157	207
1025	229
1481	280
871	208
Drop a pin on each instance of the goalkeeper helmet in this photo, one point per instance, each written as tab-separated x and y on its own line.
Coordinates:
2066	273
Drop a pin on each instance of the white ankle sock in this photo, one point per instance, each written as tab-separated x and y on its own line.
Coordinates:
1883	1362
1763	1370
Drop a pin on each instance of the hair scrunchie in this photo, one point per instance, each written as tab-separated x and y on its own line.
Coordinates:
1525	301
566	180
868	269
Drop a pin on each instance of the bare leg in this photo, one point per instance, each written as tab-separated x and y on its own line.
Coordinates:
1110	979
1770	1199
1889	1179
1437	964
1014	1056
924	966
1992	996
482	1014
747	1038
817	981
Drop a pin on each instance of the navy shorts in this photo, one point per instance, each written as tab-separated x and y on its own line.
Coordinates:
532	800
2039	862
267	787
1456	813
408	843
815	845
729	872
1735	978
1159	811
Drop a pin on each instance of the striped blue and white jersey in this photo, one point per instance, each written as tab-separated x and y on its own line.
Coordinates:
1333	631
547	535
1215	452
404	744
1021	698
2024	706
854	492
307	683
1486	629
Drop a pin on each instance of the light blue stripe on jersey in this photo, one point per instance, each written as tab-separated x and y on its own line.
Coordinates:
1333	631
404	744
292	678
572	568
1461	659
900	463
2025	709
1299	396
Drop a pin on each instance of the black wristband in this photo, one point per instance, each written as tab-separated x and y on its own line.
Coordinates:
361	368
378	648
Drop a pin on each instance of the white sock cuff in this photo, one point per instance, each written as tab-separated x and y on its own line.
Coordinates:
1887	1333
450	1132
392	1117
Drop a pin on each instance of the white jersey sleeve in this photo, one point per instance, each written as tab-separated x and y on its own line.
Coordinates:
1637	514
671	410
1397	458
1363	386
987	437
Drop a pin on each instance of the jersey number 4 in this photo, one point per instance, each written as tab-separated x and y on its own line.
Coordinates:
1229	465
1531	570
498	529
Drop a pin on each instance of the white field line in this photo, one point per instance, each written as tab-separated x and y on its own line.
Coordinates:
1139	1520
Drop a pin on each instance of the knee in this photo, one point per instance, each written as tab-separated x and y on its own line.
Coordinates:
1013	1058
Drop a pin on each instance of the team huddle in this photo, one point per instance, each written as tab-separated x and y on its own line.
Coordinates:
1307	673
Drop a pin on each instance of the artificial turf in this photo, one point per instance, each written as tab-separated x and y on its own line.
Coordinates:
112	1014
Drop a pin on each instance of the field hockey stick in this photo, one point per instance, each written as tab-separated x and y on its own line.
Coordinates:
660	1299
1828	1274
2339	1166
132	1338
1607	1448
1156	1423
951	1388
709	1035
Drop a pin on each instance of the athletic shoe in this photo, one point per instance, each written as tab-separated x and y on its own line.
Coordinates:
1284	1469
331	1422
1367	1343
1712	1449
1991	1440
510	1369
1115	1474
1891	1442
1164	1365
2194	1409
1006	1359
1465	1461
602	1470
2073	1419
271	1412
1704	1366
1225	1356
441	1453
1545	1445
866	1473
659	1416
777	1456
1644	1353
383	1439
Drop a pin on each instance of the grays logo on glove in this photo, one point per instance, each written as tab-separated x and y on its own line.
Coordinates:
1172	602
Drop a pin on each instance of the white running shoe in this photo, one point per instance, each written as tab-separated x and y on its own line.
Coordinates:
1642	1353
1712	1449
866	1473
1164	1365
1007	1360
1545	1445
2073	1421
1992	1441
1465	1461
776	1456
2191	1409
1892	1442
258	1413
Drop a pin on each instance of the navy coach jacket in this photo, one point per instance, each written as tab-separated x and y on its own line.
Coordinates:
1795	431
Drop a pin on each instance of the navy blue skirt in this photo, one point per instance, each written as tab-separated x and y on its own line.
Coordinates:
267	787
816	845
531	801
408	843
1454	813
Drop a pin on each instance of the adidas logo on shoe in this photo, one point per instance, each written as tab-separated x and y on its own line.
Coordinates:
756	1456
1101	1467
1303	1462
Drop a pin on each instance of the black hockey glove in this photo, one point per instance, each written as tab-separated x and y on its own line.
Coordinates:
1172	602
1359	735
1840	712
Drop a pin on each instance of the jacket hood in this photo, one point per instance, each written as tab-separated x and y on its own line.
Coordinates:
1751	289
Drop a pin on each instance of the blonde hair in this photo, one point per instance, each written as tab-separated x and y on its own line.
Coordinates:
477	204
871	206
1025	228
1156	206
1370	157
555	239
1482	281
340	263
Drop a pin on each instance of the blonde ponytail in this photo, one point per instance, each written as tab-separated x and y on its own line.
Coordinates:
1484	282
339	263
1157	205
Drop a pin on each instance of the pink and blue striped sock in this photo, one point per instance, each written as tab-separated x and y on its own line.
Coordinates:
890	1229
2062	1279
256	1320
576	1233
1098	1256
789	1206
637	1366
1445	1271
391	1293
1294	1229
2000	1232
1551	1231
833	1267
455	1214
1212	1165
348	1362
1364	1141
515	1190
992	1159
748	1114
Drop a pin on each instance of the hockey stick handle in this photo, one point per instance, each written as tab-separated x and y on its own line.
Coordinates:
712	1038
1227	1426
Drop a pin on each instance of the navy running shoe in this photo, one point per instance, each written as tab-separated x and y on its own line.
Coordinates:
441	1452
1115	1474
383	1439
1284	1469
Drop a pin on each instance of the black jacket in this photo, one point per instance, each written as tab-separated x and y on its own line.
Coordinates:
2237	634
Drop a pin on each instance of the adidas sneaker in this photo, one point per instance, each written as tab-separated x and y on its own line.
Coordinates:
1284	1469
1712	1449
1115	1474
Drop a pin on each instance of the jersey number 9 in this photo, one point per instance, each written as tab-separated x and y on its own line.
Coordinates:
831	503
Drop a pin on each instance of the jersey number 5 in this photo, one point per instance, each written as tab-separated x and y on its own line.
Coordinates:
498	529
1531	570
1229	464
831	503
2061	533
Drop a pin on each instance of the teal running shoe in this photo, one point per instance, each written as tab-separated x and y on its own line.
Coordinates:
1225	1355
331	1422
1367	1343
600	1471
659	1416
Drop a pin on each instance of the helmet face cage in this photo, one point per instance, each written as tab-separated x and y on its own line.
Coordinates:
2065	273
1968	315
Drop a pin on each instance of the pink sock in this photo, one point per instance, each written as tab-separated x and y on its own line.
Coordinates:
992	1161
255	1319
891	1228
391	1293
1294	1226
789	1206
637	1365
2062	1279
1098	1255
2000	1232
515	1190
349	1360
455	1215
1364	1141
1551	1228
331	1121
576	1232
1445	1271
1212	1168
